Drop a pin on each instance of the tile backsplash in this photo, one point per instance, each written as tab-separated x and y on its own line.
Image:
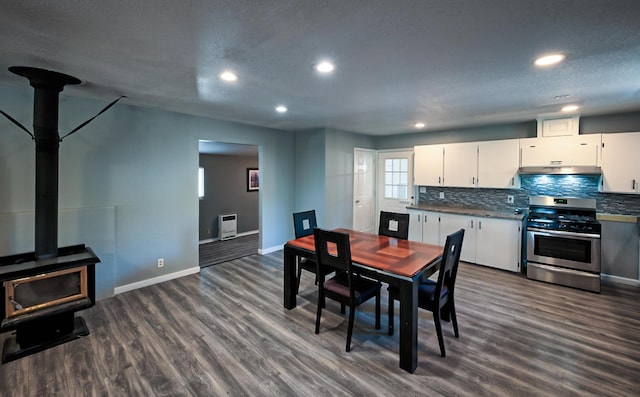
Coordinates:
582	186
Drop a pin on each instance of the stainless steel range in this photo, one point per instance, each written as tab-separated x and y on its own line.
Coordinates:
563	242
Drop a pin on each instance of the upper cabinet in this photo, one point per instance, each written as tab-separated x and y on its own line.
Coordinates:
428	165
461	164
558	126
621	162
492	164
498	163
564	151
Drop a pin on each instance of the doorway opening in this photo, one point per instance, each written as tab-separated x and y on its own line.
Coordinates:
229	189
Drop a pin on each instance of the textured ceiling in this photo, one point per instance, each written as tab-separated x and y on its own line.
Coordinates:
448	63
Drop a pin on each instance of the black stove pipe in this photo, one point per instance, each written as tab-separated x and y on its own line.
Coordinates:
47	85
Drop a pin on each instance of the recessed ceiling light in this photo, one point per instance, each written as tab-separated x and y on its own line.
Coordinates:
419	125
551	59
228	76
325	67
569	108
281	109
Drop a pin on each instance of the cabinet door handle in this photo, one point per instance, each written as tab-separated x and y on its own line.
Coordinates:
473	180
418	217
633	184
513	181
555	162
472	223
439	180
479	225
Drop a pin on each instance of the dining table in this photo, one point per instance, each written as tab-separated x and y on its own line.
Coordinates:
397	262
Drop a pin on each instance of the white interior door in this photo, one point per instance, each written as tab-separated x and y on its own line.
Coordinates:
395	181
364	190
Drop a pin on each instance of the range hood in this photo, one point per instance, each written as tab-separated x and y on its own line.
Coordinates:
560	170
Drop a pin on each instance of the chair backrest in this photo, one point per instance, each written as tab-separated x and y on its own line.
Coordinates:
304	223
333	249
449	264
393	224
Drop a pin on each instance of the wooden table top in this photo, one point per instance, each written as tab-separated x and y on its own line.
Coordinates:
402	257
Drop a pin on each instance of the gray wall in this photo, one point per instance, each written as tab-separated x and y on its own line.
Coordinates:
144	163
324	174
226	193
484	133
617	122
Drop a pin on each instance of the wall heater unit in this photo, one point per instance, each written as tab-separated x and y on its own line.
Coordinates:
228	226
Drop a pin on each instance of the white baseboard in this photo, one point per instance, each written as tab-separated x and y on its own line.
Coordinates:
155	280
211	240
620	280
270	250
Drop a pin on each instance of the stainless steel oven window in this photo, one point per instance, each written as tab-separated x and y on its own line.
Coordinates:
563	248
569	250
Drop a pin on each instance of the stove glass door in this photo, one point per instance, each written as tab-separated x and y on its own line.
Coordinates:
570	250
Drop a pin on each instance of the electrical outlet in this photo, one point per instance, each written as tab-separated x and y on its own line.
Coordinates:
160	262
510	199
441	195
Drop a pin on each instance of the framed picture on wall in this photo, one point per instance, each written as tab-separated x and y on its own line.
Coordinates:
253	179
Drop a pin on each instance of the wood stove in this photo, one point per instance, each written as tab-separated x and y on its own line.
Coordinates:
42	290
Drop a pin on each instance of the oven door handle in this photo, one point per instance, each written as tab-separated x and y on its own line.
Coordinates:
544	232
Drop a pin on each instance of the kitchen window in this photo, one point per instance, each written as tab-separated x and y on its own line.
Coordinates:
396	178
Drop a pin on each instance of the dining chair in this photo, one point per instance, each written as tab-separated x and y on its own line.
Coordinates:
303	224
394	224
333	249
437	296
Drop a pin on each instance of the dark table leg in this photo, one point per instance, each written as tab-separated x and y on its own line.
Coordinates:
409	325
289	277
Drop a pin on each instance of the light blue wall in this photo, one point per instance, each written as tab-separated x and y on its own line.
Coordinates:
310	155
324	174
339	175
144	163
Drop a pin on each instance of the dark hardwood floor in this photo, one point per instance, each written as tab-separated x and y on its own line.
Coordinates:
225	332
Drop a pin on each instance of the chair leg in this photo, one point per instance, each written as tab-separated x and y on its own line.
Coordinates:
454	320
352	312
299	276
436	320
378	310
391	303
319	311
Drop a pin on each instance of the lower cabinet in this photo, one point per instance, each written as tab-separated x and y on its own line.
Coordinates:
493	242
424	226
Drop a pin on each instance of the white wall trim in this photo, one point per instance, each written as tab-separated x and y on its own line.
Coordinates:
156	280
270	250
620	280
211	240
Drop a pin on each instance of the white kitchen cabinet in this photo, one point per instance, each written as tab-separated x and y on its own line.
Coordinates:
621	162
487	241
451	223
492	164
415	225
498	163
564	151
498	243
424	226
558	127
461	164
428	165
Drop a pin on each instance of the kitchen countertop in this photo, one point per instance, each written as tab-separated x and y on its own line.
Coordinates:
616	218
469	211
